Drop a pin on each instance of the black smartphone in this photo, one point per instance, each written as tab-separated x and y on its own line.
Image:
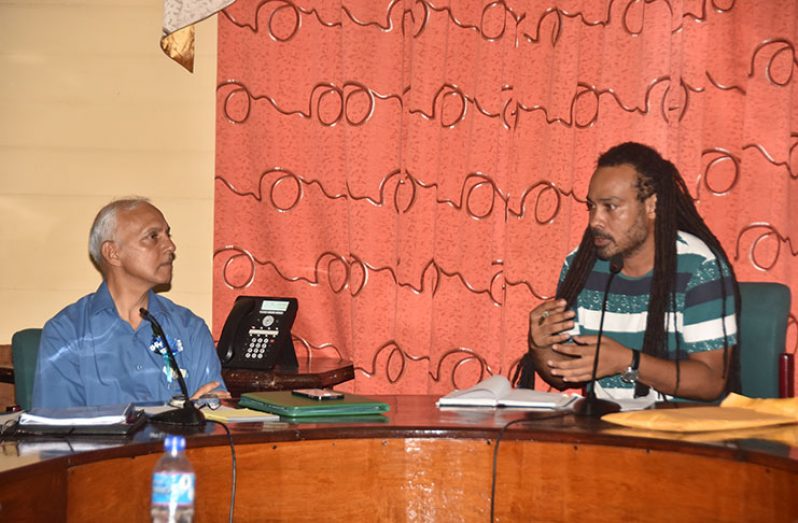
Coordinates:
318	394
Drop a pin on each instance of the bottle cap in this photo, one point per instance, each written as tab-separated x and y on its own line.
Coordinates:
174	442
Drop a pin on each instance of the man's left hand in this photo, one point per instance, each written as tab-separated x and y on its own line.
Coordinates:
613	359
213	389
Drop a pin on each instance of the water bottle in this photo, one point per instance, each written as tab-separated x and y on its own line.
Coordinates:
173	484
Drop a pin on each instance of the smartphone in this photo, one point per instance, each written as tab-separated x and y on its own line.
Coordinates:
318	394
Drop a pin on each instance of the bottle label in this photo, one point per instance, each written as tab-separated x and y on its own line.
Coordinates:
173	488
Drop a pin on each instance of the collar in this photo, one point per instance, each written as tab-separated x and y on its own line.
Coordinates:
102	301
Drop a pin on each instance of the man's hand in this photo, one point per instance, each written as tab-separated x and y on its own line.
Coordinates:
614	358
549	323
211	388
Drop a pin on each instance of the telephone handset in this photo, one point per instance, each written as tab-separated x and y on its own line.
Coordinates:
257	333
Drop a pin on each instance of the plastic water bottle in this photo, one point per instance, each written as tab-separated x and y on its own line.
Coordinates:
173	484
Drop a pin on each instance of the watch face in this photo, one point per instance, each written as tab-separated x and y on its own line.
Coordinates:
629	375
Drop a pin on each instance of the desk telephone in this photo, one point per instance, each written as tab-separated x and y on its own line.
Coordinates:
257	333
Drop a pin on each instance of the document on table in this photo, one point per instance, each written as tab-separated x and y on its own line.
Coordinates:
497	391
84	416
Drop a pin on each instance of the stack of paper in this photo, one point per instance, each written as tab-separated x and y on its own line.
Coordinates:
226	414
84	416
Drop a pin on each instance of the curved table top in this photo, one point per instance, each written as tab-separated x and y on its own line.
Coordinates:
416	416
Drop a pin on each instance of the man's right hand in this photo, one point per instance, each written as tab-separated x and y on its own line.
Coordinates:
549	323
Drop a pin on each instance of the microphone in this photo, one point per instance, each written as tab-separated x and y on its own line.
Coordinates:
590	405
188	414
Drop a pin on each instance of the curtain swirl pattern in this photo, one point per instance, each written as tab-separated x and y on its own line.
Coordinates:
414	172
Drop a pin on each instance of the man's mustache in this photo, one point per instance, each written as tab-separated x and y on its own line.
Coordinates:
601	235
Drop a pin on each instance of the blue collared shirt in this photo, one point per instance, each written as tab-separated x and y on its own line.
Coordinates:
89	356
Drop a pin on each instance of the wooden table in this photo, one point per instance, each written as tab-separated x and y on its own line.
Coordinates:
419	464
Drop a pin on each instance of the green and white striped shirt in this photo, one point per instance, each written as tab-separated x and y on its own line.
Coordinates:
701	320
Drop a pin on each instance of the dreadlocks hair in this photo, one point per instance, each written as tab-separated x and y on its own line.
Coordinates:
674	211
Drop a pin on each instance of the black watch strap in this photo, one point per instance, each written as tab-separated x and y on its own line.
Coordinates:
635	365
640	389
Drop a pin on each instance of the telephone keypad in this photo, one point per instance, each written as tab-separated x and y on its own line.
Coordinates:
262	334
257	347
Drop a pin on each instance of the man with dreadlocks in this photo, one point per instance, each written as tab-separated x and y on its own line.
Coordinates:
671	313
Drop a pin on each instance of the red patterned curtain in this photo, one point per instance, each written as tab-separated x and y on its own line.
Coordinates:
415	171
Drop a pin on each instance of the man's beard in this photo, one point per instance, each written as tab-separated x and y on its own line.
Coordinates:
629	245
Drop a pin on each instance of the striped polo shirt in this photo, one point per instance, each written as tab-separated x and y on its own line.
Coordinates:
701	321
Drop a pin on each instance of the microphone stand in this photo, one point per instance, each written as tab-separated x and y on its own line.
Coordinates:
188	415
590	405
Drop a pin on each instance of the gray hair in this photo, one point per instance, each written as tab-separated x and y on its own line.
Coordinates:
104	226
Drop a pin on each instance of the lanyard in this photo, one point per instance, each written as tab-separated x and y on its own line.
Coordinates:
157	346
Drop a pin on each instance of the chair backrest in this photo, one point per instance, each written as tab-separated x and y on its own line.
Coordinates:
763	323
24	352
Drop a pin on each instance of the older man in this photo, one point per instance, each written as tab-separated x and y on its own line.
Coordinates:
100	350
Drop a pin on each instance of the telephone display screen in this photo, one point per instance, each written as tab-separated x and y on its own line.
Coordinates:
269	305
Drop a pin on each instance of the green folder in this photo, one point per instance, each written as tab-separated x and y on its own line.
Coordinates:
284	403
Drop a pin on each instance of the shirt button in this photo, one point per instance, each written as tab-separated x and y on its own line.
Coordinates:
139	367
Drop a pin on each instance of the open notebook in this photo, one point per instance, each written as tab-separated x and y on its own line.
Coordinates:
497	391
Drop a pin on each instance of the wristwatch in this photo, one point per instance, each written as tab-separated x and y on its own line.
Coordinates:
631	372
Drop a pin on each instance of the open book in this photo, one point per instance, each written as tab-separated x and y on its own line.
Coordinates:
497	391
